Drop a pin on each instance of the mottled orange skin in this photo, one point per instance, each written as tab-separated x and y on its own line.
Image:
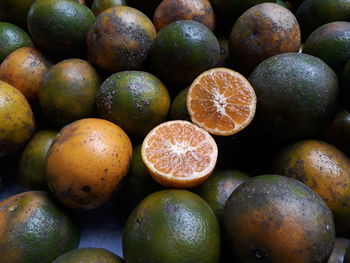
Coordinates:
323	168
24	69
261	32
87	161
34	229
120	39
16	119
170	11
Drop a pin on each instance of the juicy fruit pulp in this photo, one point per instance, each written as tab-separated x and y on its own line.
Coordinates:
221	101
179	154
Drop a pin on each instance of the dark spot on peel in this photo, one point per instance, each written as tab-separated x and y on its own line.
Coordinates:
86	188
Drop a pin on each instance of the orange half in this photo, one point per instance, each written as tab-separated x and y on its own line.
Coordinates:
221	101
179	154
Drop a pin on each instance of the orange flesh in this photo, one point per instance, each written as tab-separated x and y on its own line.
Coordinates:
221	101
180	150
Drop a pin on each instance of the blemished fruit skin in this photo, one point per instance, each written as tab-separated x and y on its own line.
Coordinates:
272	218
137	101
172	226
98	6
183	50
170	11
312	14
60	26
11	38
32	165
88	255
120	39
261	32
87	162
339	250
34	229
294	90
17	122
331	43
218	188
68	91
323	168
25	68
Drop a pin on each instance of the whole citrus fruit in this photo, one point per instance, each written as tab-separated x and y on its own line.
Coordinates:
331	43
67	93
272	218
60	26
261	32
35	229
32	165
16	119
172	226
25	68
120	39
87	161
11	38
294	90
183	50
137	101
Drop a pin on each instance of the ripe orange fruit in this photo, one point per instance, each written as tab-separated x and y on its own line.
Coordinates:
179	154
87	162
25	68
221	101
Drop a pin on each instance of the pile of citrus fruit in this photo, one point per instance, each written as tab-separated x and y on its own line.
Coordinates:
221	128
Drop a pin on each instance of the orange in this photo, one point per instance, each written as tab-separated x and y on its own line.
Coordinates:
179	154
25	68
221	101
87	162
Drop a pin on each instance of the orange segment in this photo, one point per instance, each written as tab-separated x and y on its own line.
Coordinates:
221	101
179	154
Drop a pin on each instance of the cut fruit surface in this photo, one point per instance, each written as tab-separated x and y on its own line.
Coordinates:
221	101
179	154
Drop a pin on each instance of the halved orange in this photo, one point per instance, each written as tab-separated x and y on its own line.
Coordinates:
179	154
221	101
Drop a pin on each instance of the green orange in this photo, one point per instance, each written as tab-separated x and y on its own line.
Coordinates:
312	14
137	101
273	218
11	38
182	51
33	228
301	80
32	165
98	6
178	109
120	39
331	43
218	188
172	226
88	255
67	93
60	26
16	119
338	133
139	182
